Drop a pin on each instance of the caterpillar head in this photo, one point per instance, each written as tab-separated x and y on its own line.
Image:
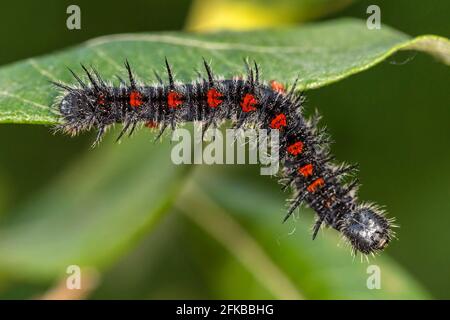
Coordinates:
367	230
67	105
76	116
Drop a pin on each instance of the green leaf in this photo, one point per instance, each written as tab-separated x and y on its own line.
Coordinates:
238	15
320	53
94	212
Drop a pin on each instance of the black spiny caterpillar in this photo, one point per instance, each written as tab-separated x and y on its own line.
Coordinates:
304	149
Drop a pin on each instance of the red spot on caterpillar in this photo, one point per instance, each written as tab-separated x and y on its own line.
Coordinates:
295	148
151	124
174	99
319	182
248	103
306	170
214	98
277	86
278	122
101	99
135	99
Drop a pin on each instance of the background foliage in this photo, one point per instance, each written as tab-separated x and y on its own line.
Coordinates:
392	120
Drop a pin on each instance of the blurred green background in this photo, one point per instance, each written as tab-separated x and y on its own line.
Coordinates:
392	119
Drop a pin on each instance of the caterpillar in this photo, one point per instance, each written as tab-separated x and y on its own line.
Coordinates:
308	167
